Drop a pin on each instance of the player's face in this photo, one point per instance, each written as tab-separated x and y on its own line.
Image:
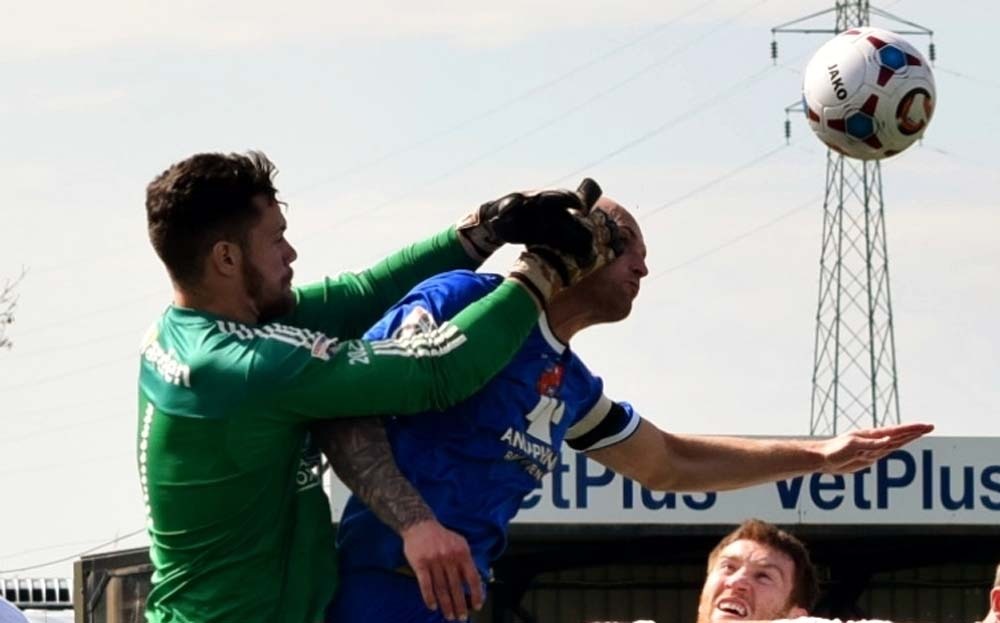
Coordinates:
748	581
612	289
267	269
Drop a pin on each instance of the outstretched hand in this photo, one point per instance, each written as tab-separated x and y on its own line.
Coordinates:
553	218
443	564
858	449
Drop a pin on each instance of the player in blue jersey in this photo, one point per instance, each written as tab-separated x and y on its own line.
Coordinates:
475	462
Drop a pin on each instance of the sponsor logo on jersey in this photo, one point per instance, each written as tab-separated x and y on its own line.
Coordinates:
166	363
538	457
534	470
357	354
310	468
550	380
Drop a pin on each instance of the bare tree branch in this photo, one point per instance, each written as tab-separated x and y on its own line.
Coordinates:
8	301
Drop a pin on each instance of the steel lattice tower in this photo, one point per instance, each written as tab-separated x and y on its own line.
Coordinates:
854	380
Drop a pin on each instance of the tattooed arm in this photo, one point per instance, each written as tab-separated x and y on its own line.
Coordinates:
359	453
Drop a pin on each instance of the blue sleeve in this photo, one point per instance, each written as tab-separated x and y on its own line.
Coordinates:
432	302
601	422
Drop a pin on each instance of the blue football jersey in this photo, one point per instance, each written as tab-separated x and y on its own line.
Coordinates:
475	462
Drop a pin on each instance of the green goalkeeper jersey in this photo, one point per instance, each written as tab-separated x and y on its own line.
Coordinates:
239	524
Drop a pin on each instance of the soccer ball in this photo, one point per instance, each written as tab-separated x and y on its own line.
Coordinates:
868	93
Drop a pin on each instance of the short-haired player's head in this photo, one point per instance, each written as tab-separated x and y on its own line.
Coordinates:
758	572
214	220
610	291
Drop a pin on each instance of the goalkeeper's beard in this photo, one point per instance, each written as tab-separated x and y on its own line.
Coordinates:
268	308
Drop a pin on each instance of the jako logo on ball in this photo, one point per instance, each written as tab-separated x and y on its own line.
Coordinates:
868	93
837	83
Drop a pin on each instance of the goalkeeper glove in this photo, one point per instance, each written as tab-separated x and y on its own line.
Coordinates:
544	270
532	218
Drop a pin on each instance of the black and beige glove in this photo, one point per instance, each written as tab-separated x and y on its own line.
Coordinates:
548	217
544	270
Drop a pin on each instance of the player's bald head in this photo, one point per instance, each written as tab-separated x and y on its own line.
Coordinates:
620	215
607	294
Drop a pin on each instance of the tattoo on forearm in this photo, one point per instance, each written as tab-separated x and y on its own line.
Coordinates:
360	455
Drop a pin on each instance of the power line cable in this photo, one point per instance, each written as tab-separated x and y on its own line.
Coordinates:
703	106
62	347
715	181
65	407
707	104
557	118
734	240
75	556
699	108
982	81
48	431
72	372
76	316
105	254
7	473
961	159
505	104
47	548
525	95
479	117
436	136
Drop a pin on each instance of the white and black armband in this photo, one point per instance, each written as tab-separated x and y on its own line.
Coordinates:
606	424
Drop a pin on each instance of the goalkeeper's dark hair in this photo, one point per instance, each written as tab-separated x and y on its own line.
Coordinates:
202	200
805	585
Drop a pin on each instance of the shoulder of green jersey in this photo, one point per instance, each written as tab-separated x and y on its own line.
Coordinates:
150	335
166	363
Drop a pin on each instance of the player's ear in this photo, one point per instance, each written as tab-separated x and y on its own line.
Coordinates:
225	258
797	612
995	600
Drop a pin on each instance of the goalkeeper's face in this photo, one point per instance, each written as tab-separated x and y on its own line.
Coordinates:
611	289
267	264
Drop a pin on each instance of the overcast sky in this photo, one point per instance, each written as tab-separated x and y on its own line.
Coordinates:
388	122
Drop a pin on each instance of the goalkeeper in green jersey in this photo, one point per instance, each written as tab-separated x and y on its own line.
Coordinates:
238	367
